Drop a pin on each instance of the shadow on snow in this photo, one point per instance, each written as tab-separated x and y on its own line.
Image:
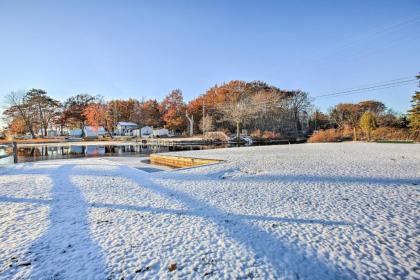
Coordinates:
58	250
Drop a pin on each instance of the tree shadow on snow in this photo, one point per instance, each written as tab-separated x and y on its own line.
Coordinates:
65	250
284	257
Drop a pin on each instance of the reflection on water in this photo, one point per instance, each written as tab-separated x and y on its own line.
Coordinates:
36	153
4	151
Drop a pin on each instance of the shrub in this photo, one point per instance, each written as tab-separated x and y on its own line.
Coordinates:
347	133
216	136
271	135
256	133
388	133
328	135
382	133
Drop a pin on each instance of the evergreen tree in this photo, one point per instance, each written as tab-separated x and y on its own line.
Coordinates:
414	113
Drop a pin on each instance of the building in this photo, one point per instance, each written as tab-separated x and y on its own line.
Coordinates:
76	133
126	128
93	132
146	131
161	132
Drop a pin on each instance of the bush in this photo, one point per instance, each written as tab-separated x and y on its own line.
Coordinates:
382	133
271	135
266	135
256	133
388	133
216	136
328	135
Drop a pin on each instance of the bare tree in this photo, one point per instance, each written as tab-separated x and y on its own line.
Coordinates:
238	112
297	103
206	124
19	107
346	114
190	123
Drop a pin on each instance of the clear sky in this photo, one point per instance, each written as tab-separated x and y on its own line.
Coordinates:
122	49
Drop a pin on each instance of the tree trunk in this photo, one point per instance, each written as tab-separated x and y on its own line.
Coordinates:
191	123
238	133
32	133
354	134
296	116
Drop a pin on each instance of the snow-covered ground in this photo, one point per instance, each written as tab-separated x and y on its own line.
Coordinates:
311	211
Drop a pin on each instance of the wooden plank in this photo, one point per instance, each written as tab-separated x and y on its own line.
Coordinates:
178	161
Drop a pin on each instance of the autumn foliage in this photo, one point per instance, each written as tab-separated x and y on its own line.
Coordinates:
328	135
269	112
96	115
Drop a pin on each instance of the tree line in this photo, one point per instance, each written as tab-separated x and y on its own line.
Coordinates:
230	106
366	119
262	109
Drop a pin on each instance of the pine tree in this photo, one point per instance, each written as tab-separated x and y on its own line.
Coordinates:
414	113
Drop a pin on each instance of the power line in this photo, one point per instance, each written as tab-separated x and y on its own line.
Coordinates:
387	81
374	86
374	89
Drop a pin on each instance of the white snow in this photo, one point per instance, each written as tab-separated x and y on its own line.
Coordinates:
311	211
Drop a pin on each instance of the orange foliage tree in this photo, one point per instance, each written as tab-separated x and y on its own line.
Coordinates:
150	112
96	115
173	110
18	126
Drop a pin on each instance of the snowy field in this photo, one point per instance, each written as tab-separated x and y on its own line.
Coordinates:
310	211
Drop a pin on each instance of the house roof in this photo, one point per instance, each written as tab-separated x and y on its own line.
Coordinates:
127	124
95	130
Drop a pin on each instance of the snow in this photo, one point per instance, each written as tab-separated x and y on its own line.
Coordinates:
309	211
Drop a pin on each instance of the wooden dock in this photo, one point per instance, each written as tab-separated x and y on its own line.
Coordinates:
179	161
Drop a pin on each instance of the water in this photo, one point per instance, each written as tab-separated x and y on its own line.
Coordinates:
48	152
55	151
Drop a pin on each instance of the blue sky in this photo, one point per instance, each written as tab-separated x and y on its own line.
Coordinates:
122	49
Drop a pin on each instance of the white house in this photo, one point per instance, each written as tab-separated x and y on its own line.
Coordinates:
160	132
93	132
50	132
77	133
135	132
146	131
126	128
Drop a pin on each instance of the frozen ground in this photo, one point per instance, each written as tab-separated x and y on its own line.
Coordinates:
310	211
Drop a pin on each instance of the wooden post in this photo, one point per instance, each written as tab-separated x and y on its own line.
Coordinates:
15	157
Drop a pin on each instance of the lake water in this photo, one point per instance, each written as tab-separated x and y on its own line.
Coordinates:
47	152
55	151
